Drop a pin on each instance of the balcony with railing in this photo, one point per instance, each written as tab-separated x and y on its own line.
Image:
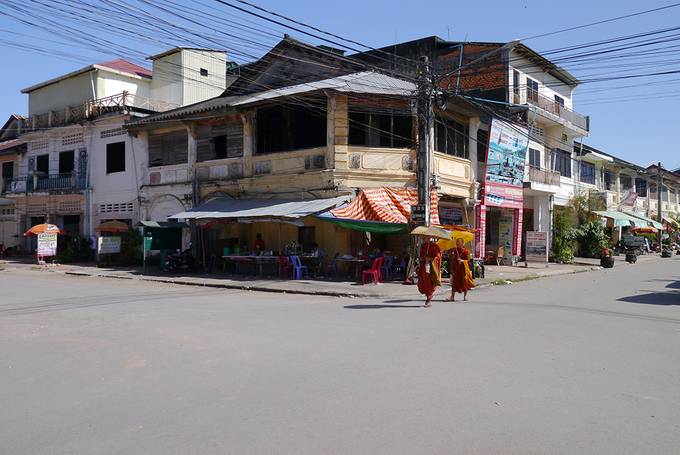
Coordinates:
44	184
92	109
543	180
553	107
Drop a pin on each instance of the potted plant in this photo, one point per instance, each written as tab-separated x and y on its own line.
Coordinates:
606	258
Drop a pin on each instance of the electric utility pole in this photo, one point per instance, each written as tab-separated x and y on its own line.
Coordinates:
658	197
425	154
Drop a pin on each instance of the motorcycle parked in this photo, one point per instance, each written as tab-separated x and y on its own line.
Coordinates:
178	262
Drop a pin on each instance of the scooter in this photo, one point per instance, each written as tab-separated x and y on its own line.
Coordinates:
178	262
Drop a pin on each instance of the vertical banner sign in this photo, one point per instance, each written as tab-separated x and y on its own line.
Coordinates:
505	160
519	220
537	246
480	232
47	244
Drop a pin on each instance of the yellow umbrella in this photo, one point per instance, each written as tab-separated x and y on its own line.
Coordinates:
432	232
449	244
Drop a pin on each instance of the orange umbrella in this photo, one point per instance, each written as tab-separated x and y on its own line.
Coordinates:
112	226
645	230
43	228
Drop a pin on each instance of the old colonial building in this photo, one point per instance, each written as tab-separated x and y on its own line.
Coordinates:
303	123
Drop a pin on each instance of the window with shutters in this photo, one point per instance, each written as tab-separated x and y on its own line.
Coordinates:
587	174
560	161
450	137
641	187
220	141
168	149
391	128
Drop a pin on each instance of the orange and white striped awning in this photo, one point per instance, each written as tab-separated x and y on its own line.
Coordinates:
387	205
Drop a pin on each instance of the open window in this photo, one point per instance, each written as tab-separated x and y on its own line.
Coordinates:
385	128
451	137
42	164
287	127
8	170
115	157
66	162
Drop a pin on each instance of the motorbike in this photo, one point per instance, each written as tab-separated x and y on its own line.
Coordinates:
178	262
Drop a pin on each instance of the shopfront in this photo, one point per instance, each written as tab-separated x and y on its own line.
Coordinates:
500	215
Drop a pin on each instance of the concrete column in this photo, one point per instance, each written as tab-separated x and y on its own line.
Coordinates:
472	147
618	185
248	142
192	146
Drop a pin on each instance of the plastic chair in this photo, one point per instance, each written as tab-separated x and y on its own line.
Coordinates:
387	267
285	268
373	272
299	270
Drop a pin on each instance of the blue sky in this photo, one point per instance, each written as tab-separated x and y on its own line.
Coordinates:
637	130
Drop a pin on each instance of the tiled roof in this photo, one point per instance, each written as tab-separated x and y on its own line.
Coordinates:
127	67
10	144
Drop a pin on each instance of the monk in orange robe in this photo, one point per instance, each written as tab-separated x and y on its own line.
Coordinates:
429	270
459	267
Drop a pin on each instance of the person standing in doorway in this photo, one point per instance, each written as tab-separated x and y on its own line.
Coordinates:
459	268
259	245
429	270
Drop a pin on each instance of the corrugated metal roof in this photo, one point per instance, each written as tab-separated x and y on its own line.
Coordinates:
363	82
225	207
10	144
127	67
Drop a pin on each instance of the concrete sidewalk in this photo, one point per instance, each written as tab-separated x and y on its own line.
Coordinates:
495	275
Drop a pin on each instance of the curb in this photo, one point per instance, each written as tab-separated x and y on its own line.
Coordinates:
339	294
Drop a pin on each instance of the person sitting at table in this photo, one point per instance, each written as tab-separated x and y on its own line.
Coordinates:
259	245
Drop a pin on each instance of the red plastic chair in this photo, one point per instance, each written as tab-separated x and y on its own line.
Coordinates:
373	272
285	267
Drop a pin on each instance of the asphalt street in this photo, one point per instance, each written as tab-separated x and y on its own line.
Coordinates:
579	364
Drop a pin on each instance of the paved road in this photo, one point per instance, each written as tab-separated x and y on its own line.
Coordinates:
581	364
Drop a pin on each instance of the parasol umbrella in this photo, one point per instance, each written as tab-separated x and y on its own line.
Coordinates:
113	227
43	228
449	244
432	232
645	230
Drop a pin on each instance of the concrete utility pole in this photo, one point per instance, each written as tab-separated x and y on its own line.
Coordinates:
425	154
659	188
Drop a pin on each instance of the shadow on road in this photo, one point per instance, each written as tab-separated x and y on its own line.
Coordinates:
378	307
654	298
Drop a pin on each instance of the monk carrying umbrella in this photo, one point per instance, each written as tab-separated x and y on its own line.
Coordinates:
430	261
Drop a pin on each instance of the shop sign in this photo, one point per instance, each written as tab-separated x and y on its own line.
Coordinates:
450	216
418	213
108	245
506	155
47	244
536	246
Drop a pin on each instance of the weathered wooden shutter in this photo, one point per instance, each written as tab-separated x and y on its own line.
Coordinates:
205	150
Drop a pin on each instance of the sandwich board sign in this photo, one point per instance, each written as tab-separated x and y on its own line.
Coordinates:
47	244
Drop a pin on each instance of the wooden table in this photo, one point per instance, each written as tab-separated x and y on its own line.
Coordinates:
258	261
356	262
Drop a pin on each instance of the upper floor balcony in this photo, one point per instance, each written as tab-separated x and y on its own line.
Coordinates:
92	109
69	182
553	107
542	180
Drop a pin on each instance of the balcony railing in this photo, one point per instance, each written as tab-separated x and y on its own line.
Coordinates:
544	176
92	109
13	186
553	107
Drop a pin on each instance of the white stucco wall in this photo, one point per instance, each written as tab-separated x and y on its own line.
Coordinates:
69	92
548	85
109	84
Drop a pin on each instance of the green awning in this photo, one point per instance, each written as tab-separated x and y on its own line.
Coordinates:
620	219
650	221
368	226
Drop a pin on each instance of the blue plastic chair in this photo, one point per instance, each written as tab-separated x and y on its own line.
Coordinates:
386	269
299	270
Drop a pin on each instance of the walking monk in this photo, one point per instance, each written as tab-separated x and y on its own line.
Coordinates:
429	270
461	276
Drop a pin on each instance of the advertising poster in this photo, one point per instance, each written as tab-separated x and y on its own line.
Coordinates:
108	245
505	160
537	246
505	234
47	244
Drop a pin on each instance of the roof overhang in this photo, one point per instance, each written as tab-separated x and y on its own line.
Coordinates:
87	69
